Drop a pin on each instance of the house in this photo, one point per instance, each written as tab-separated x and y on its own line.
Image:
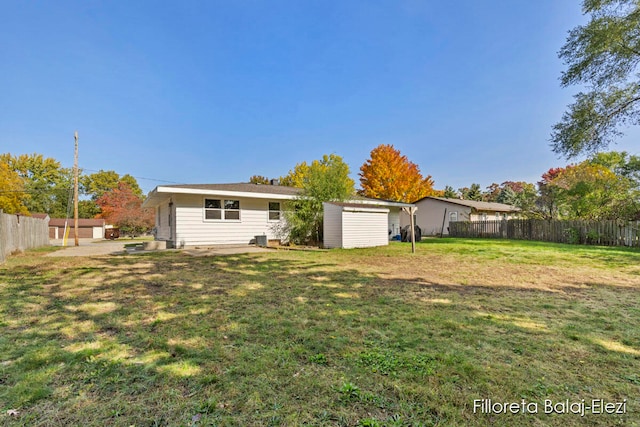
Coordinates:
87	228
435	213
219	214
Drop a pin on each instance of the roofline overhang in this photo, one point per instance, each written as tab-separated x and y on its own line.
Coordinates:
159	194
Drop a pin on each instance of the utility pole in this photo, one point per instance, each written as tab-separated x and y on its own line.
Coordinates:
75	190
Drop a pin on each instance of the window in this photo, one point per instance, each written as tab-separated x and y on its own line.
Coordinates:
483	216
274	211
217	210
232	209
497	216
453	216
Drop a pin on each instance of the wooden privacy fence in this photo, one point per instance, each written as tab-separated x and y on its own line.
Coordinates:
608	233
18	233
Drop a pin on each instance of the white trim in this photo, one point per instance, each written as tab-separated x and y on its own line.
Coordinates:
222	211
352	209
280	213
226	193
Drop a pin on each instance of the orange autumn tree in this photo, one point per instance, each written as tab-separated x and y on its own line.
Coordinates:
122	207
391	176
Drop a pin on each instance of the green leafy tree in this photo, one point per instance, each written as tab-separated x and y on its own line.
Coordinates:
471	193
602	55
593	192
95	185
449	192
621	163
324	180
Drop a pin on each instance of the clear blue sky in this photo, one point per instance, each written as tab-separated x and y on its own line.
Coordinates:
216	91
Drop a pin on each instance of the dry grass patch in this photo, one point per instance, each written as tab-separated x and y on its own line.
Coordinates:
360	337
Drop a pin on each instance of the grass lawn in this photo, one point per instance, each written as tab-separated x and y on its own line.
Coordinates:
371	337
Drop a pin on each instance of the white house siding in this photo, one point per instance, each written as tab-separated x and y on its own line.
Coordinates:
193	229
332	226
362	229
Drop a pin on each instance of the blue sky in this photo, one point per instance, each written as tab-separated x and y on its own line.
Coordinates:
216	91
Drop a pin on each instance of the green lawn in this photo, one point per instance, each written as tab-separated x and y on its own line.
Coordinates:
371	337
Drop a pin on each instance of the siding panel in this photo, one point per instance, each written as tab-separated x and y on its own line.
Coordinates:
193	229
332	226
364	229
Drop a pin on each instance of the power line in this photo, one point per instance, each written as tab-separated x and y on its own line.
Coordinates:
136	177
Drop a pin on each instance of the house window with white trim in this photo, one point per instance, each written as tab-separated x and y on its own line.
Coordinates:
232	209
274	211
217	209
483	216
453	216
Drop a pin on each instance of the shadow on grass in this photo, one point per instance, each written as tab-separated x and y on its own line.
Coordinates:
157	337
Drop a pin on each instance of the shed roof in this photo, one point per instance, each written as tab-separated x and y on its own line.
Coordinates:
358	205
479	206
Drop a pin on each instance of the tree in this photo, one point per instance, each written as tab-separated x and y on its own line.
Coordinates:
471	193
620	163
449	192
45	180
259	179
603	55
548	201
123	208
594	192
295	177
12	194
391	176
96	184
323	181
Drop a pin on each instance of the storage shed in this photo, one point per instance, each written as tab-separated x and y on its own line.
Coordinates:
355	225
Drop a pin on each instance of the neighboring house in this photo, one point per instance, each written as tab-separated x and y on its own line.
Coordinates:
219	214
435	213
87	228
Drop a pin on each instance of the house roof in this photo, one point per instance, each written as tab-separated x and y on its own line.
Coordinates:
245	187
40	215
479	206
242	189
82	222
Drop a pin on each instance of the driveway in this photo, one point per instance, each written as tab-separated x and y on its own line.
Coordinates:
90	247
